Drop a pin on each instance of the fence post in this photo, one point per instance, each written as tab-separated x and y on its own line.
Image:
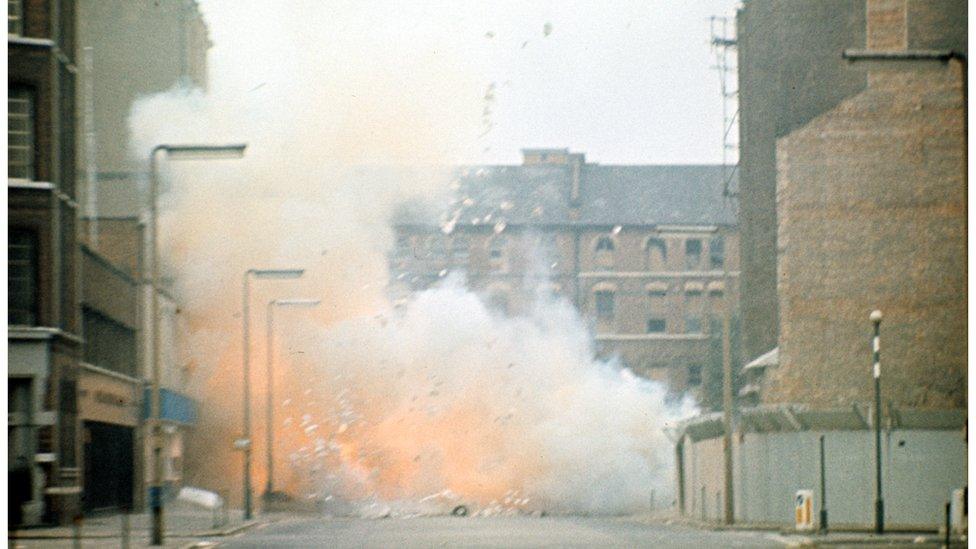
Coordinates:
948	527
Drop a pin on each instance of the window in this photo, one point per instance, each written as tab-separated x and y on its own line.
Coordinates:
498	254
109	344
604	252
436	247
15	17
656	326
693	251
20	133
693	325
402	251
498	301
657	254
716	252
460	248
604	303
694	375
22	277
657	291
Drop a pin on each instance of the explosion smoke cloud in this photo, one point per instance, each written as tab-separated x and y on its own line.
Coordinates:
380	405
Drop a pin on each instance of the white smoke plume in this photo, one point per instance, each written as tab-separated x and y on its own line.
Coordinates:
436	400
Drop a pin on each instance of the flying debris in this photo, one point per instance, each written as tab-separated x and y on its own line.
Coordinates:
489	35
616	230
547	29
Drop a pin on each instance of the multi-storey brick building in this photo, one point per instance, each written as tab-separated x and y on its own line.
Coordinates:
642	251
872	215
44	324
128	50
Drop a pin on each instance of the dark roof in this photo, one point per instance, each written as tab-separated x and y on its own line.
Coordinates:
609	195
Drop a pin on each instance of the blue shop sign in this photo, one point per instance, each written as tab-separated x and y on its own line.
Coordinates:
174	407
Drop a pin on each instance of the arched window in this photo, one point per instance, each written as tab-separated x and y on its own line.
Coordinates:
657	254
604	243
693	254
604	248
604	303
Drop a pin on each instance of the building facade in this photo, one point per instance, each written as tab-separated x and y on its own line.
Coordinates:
789	71
130	50
646	253
44	317
870	214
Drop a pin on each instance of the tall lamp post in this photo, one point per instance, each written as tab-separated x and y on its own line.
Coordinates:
245	443
173	152
269	487
876	347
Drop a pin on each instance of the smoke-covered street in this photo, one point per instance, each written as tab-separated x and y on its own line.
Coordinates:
490	532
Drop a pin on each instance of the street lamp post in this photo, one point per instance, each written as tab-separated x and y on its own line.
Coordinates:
269	486
246	441
876	346
174	152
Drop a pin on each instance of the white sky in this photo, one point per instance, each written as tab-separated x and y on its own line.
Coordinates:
626	82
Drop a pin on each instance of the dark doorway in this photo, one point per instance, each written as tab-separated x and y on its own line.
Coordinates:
108	467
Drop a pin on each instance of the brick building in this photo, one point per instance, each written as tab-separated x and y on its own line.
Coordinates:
129	50
871	202
640	250
44	320
790	71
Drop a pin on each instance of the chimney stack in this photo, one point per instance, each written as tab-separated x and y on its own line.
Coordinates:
887	25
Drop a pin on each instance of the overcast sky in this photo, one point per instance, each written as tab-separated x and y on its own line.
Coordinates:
626	82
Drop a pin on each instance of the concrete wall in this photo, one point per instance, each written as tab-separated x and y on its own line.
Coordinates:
920	470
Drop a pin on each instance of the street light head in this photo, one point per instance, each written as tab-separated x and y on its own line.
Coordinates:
277	273
876	316
297	302
204	152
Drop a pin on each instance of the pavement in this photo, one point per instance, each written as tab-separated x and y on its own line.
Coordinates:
189	527
185	525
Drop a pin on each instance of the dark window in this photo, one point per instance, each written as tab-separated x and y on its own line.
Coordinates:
109	344
20	133
693	292
694	375
15	17
693	251
604	304
604	244
460	248
693	325
716	252
657	254
656	325
499	302
403	247
657	292
22	277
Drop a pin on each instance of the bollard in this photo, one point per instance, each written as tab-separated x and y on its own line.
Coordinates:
76	531
125	529
948	527
823	489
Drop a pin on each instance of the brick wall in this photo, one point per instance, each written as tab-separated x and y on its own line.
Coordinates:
872	215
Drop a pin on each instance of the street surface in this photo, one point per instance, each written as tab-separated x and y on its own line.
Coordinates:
487	532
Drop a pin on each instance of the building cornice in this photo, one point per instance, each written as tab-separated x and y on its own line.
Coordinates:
657	274
40	333
651	337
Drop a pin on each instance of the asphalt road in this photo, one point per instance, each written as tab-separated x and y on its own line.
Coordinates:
487	532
